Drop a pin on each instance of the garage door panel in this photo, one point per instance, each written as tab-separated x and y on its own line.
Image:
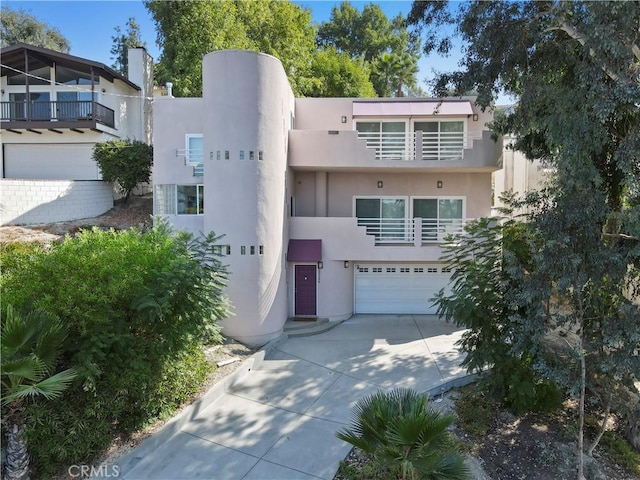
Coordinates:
395	288
50	161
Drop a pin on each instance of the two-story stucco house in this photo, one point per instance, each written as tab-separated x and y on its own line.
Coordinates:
329	206
54	108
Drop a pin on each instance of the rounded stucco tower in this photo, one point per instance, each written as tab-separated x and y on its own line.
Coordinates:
248	107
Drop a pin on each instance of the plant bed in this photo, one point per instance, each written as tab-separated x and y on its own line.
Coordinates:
505	446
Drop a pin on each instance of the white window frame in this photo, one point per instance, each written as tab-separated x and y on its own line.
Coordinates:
440	197
398	233
407	147
380	197
199	189
440	120
439	230
189	159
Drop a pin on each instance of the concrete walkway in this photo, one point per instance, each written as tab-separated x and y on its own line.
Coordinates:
277	419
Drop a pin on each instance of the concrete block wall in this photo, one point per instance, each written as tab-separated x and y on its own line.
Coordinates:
25	202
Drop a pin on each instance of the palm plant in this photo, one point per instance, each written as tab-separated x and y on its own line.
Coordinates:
30	347
404	436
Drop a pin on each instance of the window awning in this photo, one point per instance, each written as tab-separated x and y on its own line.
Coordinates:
380	109
304	251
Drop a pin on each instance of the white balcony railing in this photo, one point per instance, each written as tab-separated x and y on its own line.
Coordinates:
193	157
419	145
408	230
389	230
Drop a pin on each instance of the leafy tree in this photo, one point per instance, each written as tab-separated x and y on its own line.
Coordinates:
284	30
337	75
189	30
365	34
386	45
574	66
482	287
122	42
404	436
126	163
394	74
18	26
31	345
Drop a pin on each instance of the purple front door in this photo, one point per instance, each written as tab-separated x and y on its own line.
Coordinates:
305	290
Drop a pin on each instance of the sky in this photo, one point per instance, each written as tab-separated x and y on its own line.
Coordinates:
89	25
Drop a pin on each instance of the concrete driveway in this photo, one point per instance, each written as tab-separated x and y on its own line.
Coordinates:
276	418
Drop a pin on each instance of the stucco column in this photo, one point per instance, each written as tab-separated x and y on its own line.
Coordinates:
418	144
417	232
321	194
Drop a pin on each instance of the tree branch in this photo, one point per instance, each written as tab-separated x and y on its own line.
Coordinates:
621	235
602	428
582	39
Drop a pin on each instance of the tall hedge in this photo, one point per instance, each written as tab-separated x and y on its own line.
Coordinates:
138	307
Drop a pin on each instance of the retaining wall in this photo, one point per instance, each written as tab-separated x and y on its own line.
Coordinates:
25	202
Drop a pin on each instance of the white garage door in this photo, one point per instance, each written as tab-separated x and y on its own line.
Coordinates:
398	288
50	161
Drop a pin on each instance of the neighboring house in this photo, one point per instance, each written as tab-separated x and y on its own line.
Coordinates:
329	206
518	174
55	107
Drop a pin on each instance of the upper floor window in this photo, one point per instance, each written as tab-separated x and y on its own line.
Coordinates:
194	148
384	217
68	76
441	139
38	76
387	138
37	108
439	215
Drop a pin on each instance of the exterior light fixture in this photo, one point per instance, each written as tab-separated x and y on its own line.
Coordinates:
380	183
346	264
475	117
320	265
343	119
439	184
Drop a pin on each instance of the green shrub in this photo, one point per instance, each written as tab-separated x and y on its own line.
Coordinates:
138	307
17	254
124	162
75	427
481	299
404	436
621	451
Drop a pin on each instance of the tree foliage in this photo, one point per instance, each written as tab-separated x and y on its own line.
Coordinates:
189	30
126	163
384	44
122	42
335	74
482	287
18	26
365	34
575	68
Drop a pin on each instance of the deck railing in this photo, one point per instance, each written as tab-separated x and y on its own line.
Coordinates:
193	157
407	230
419	145
56	111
